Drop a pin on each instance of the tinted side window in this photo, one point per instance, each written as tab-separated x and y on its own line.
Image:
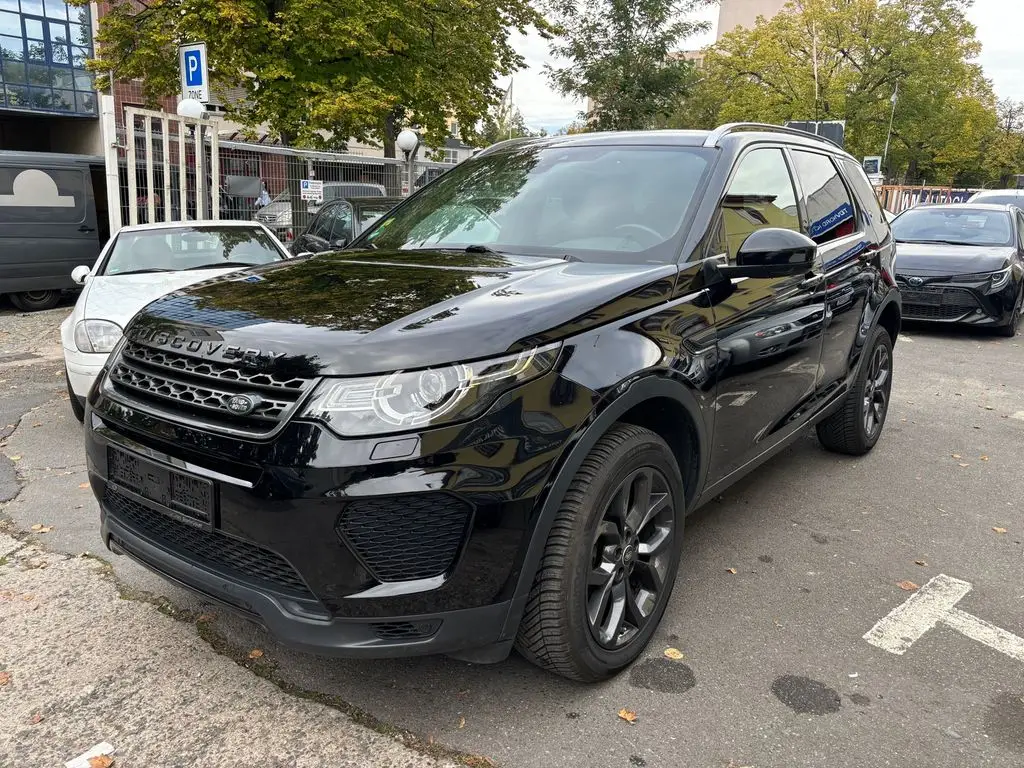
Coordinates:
321	228
865	193
341	223
760	195
1020	228
830	211
45	195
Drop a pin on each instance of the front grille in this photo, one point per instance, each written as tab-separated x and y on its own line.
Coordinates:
955	303
205	387
406	630
403	538
232	557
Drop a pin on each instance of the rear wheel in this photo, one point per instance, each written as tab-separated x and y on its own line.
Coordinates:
35	301
76	405
610	561
855	428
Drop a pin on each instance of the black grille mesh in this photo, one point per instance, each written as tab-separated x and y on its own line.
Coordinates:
210	369
211	549
955	302
405	630
406	537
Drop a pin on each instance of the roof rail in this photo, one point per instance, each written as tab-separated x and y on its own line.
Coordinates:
724	130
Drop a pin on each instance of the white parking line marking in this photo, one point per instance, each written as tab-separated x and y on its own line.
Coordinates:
933	603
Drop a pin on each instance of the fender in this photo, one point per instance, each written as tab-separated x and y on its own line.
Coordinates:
611	411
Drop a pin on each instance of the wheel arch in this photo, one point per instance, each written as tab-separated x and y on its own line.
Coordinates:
666	407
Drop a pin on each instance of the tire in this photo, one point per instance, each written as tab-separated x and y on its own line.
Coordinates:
76	405
1010	329
846	430
35	301
556	632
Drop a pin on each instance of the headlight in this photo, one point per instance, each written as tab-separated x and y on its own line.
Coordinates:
97	335
996	279
410	399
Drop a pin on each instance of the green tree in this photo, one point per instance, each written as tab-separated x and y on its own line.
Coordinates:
844	60
504	122
316	69
619	55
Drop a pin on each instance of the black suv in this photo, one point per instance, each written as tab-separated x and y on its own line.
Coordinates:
483	424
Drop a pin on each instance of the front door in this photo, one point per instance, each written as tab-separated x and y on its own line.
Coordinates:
769	329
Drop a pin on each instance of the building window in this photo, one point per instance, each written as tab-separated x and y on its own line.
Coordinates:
44	45
451	156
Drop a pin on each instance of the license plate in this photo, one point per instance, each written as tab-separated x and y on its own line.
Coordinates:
186	498
923	297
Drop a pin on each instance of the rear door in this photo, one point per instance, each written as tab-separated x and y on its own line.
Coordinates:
47	226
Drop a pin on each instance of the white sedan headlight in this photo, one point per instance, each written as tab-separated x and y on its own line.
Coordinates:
97	335
406	400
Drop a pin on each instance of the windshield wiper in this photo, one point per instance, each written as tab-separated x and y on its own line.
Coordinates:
936	242
225	265
143	271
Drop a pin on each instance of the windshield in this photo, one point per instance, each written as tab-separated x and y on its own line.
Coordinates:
368	213
611	204
958	226
996	198
183	248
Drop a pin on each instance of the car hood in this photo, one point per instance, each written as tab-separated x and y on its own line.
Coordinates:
272	210
940	259
119	297
358	313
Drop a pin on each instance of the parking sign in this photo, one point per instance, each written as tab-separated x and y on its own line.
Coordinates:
195	78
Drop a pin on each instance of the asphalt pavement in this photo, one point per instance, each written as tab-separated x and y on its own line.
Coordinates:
782	579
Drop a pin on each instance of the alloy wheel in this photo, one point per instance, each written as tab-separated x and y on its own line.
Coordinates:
630	558
876	391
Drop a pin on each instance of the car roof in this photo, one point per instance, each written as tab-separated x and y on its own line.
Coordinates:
734	137
1005	207
1009	192
200	223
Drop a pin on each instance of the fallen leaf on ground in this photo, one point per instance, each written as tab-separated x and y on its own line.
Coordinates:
37	424
255	653
206	617
731	570
956	456
909	586
15	458
42	528
36	719
964	465
673	653
5	678
83	485
984	458
462	722
920	562
628	715
989	408
999	530
101	761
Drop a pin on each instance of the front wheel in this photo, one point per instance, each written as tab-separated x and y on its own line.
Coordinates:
610	560
855	428
1010	329
35	301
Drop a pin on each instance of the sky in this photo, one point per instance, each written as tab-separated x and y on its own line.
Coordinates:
999	24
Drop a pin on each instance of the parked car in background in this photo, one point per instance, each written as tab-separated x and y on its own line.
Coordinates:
53	218
278	214
140	264
339	222
484	424
999	197
962	263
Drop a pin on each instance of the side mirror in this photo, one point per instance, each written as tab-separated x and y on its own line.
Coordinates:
774	252
79	274
341	242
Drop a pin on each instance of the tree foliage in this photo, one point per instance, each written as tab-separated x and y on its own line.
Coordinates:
619	55
844	60
317	68
504	122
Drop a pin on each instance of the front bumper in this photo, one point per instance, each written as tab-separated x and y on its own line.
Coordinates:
960	303
83	369
308	530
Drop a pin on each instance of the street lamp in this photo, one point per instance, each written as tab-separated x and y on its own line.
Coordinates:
408	141
192	109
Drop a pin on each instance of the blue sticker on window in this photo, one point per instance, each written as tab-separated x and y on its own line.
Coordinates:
838	216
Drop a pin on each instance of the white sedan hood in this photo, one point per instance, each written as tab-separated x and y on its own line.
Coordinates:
119	297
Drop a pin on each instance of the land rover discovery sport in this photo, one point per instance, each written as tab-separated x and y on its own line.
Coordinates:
482	425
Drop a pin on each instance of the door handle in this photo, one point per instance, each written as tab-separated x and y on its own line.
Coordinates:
84	228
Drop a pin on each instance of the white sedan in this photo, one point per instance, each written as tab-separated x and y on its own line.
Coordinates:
141	264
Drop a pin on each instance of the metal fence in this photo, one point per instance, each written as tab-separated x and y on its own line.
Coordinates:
174	169
898	198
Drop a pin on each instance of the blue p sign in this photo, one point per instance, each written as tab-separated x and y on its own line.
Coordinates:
194	69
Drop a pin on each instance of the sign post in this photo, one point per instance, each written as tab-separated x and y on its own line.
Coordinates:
195	72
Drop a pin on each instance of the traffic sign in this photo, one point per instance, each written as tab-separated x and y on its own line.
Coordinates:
195	72
312	189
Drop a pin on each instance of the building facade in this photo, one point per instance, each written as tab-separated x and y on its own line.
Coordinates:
48	99
744	13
